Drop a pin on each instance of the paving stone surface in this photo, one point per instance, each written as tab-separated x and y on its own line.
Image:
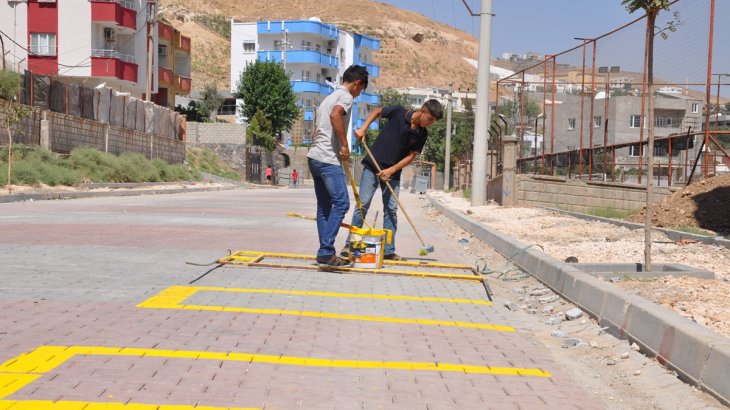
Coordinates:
73	272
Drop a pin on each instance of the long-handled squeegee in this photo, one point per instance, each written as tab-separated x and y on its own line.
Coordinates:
425	248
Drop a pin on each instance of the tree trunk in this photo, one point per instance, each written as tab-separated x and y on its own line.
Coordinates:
10	150
650	20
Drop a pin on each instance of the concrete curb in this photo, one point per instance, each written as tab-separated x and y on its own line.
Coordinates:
699	356
671	234
91	194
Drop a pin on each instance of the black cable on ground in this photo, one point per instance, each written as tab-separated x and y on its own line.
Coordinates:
506	270
216	262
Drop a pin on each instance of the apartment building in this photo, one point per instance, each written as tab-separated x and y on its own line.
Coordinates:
315	55
621	124
95	42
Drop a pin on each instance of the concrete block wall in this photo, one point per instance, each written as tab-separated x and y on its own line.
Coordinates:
582	196
201	133
67	132
26	131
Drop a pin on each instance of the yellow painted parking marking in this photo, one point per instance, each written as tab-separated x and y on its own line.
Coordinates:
276	360
82	405
174	296
24	369
185	289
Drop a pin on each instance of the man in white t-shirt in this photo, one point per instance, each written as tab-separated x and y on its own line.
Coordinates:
329	149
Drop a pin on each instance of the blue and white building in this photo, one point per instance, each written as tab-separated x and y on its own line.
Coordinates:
315	55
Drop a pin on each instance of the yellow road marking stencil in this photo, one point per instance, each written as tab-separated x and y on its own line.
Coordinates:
175	296
260	259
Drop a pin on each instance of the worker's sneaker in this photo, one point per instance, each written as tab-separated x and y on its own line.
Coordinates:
393	257
332	261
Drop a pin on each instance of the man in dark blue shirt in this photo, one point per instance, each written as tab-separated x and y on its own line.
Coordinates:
397	145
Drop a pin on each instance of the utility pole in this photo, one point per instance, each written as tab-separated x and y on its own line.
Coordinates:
285	43
479	170
151	17
447	154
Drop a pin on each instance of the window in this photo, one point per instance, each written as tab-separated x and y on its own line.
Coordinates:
659	121
634	151
597	121
571	124
695	108
249	46
660	151
635	121
43	44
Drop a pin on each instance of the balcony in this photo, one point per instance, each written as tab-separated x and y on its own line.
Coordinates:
182	43
165	32
119	12
182	85
373	70
165	76
310	87
298	26
369	99
111	63
300	57
367	42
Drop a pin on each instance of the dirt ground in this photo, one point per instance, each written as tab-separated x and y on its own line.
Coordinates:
703	204
702	300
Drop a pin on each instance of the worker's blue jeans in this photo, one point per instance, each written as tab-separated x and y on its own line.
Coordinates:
333	202
369	183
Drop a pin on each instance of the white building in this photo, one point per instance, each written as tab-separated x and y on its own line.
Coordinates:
417	96
315	55
94	41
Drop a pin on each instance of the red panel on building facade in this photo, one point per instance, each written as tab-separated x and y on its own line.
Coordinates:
112	11
165	31
43	18
112	67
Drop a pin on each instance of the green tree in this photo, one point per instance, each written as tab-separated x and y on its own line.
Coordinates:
390	96
652	9
265	86
9	84
727	107
211	101
261	131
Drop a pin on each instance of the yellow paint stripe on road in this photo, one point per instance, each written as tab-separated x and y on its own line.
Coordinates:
174	296
81	405
328	315
294	361
12	382
335	294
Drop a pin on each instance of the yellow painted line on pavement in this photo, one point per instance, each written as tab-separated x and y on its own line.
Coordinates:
71	351
82	405
335	294
174	296
26	368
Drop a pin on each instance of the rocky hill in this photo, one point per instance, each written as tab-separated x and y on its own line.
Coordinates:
437	60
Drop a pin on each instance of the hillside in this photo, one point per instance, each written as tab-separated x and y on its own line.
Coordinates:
438	60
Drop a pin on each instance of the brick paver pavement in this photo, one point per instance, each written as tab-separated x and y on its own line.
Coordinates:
73	272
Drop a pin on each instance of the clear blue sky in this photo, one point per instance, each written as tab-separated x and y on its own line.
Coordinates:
549	26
